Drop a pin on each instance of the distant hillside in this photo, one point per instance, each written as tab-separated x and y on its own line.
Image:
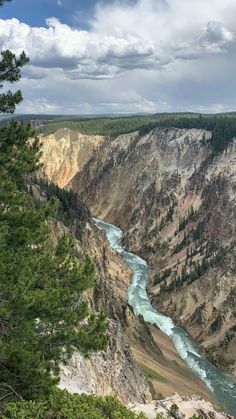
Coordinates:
222	126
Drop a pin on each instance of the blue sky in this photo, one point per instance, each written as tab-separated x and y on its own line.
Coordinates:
123	56
34	12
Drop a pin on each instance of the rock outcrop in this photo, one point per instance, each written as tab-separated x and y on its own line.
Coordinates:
113	371
194	407
65	153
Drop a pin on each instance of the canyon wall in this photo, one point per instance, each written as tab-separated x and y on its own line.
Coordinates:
175	202
65	153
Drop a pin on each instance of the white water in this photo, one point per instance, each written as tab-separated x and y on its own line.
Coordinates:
222	386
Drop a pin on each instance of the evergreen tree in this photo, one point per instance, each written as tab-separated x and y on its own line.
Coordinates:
10	67
41	285
67	406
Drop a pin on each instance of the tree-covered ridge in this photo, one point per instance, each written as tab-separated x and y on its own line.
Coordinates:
107	126
66	406
67	198
66	208
110	127
222	126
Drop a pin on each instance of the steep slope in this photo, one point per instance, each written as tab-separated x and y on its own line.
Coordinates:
113	371
176	204
133	181
166	368
65	153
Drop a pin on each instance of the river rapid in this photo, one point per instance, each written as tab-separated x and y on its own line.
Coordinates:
221	385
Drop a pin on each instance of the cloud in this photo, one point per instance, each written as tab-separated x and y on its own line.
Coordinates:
32	72
217	33
216	36
143	55
79	53
146	35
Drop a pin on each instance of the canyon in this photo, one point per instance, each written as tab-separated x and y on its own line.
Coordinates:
175	203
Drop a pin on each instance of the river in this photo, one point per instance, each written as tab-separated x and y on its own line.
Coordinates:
221	385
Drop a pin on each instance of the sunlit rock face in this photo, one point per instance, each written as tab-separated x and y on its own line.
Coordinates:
65	153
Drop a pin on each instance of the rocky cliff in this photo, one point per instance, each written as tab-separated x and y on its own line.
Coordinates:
65	153
132	342
113	371
176	203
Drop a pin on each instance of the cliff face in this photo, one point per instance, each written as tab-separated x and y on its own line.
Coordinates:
113	371
65	153
132	347
176	204
133	181
116	371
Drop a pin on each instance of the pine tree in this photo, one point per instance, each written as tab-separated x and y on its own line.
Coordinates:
10	67
41	285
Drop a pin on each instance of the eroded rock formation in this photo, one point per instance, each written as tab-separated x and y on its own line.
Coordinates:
176	204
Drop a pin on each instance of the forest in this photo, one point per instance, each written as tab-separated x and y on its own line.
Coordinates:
222	126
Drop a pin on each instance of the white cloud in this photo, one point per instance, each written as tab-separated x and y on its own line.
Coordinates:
164	54
147	35
80	54
216	36
41	105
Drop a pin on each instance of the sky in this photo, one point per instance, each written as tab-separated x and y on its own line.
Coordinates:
133	56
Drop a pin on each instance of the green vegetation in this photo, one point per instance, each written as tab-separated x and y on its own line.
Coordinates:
162	246
66	208
10	67
190	216
198	232
41	284
151	374
67	198
108	126
62	405
222	126
170	213
174	409
198	269
162	276
181	245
